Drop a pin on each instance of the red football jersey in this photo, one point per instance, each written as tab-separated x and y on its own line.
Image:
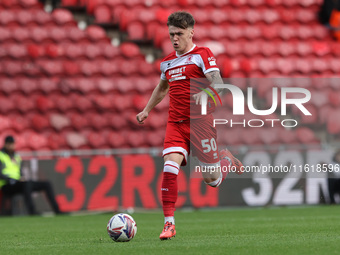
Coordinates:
178	70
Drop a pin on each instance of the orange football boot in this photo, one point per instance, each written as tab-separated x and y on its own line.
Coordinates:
226	154
168	231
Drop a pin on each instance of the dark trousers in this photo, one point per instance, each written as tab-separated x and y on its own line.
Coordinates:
333	188
26	188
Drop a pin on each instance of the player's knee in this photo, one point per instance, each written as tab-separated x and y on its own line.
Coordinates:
171	167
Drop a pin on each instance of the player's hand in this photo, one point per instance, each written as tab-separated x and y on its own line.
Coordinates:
141	117
198	97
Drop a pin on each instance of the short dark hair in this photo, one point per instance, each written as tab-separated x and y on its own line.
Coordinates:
181	19
9	139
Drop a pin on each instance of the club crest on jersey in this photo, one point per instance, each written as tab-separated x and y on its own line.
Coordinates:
188	60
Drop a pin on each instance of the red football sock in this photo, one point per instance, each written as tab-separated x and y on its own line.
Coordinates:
169	193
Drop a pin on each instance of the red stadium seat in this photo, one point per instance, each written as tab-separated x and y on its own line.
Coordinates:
270	16
271	32
71	68
59	121
304	49
74	51
53	50
28	86
320	65
136	31
24	17
117	140
19	122
7	17
129	50
334	65
42	18
250	136
48	85
103	102
97	140
17	51
5	34
62	17
83	104
303	65
109	51
35	141
5	123
75	34
6	105
79	121
31	4
92	51
44	104
117	122
69	3
35	51
52	67
136	139
26	104
321	48
105	85
75	140
286	49
155	139
108	68
57	34
21	34
287	136
122	103
102	14
333	123
40	122
305	135
63	103
56	141
139	102
96	33
334	99
289	32
89	68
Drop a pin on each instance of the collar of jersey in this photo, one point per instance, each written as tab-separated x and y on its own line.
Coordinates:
193	47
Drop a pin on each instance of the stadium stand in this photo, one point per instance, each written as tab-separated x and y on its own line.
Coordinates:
66	88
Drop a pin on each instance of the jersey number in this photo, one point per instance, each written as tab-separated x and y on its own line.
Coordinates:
208	147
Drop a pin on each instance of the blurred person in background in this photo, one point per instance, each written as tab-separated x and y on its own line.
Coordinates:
12	182
54	3
329	15
334	178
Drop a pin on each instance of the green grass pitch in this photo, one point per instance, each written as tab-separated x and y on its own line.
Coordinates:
300	230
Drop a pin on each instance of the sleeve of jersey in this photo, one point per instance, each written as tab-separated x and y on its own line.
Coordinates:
163	76
208	61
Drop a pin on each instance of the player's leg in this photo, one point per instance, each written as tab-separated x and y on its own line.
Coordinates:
175	154
203	138
172	164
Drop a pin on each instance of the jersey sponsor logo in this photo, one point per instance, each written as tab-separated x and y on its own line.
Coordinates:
177	78
212	61
177	70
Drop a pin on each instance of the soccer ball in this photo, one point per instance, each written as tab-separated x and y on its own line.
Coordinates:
121	227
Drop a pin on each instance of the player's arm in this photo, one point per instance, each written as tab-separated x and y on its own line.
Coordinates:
214	77
157	96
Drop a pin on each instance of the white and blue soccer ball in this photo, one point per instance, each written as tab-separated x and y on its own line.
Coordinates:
121	227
